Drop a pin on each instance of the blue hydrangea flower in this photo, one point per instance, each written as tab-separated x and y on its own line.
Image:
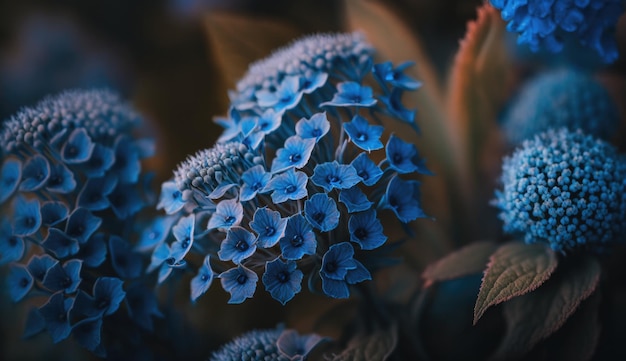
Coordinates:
321	211
333	175
298	116
366	230
71	185
274	344
363	134
560	98
339	269
299	239
202	281
544	24
240	282
269	226
315	127
352	94
282	279
295	153
566	189
290	185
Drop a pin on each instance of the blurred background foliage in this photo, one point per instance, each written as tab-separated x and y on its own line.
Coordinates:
175	61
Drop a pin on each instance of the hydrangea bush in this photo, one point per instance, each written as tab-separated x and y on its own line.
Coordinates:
293	189
71	187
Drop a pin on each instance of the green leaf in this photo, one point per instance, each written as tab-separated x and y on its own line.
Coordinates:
513	270
375	347
536	315
467	260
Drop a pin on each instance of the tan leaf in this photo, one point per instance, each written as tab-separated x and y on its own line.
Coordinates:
236	40
513	270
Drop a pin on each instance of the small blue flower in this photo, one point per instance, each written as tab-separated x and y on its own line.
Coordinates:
339	270
162	259
35	174
11	247
95	193
82	224
78	147
61	179
299	239
202	281
155	233
403	156
38	266
240	282
26	216
184	233
364	135
337	261
60	244
269	121
286	96
331	175
64	278
94	252
312	81
238	245
53	212
228	213
282	279
385	73
19	282
546	24
366	230
254	180
354	199
269	225
321	211
350	94
366	169
315	127
403	198
127	164
393	102
295	153
288	185
56	314
171	198
101	160
125	261
107	295
87	333
125	200
296	347
10	177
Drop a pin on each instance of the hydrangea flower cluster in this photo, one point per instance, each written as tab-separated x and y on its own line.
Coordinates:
545	23
561	98
292	191
70	185
564	188
274	344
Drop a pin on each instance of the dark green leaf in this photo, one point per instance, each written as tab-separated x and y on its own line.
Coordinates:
467	260
513	270
536	315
